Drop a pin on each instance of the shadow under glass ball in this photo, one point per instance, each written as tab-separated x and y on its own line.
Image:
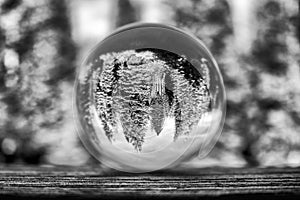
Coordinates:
148	97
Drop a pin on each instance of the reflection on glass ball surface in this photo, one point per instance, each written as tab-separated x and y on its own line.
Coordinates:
148	97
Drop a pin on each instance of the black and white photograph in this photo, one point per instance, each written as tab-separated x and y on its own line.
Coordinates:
149	99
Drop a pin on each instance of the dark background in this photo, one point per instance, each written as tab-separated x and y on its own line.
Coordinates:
255	42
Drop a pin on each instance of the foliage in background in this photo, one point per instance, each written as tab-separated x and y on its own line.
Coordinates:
263	86
39	54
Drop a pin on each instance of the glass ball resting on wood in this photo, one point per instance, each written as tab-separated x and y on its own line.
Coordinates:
148	97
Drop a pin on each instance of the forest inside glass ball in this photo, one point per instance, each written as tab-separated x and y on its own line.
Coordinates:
147	93
148	97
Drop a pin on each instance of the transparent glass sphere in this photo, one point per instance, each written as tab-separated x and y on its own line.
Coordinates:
148	97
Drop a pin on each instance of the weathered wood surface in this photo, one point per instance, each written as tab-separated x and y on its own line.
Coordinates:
95	183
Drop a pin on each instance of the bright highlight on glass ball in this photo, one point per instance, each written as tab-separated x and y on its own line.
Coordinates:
148	97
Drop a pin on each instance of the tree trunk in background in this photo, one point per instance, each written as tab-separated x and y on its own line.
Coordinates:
37	74
127	13
273	66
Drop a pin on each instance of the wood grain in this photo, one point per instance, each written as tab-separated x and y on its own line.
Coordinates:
97	183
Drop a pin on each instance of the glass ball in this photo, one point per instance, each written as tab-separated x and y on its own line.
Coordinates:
148	97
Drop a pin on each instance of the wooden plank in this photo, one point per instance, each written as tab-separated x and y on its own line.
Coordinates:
97	183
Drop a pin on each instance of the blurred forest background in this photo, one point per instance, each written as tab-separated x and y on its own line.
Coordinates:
255	42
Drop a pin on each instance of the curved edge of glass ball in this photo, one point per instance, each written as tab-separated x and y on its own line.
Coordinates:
203	149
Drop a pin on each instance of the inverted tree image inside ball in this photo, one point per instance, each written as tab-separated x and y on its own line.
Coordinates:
148	97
